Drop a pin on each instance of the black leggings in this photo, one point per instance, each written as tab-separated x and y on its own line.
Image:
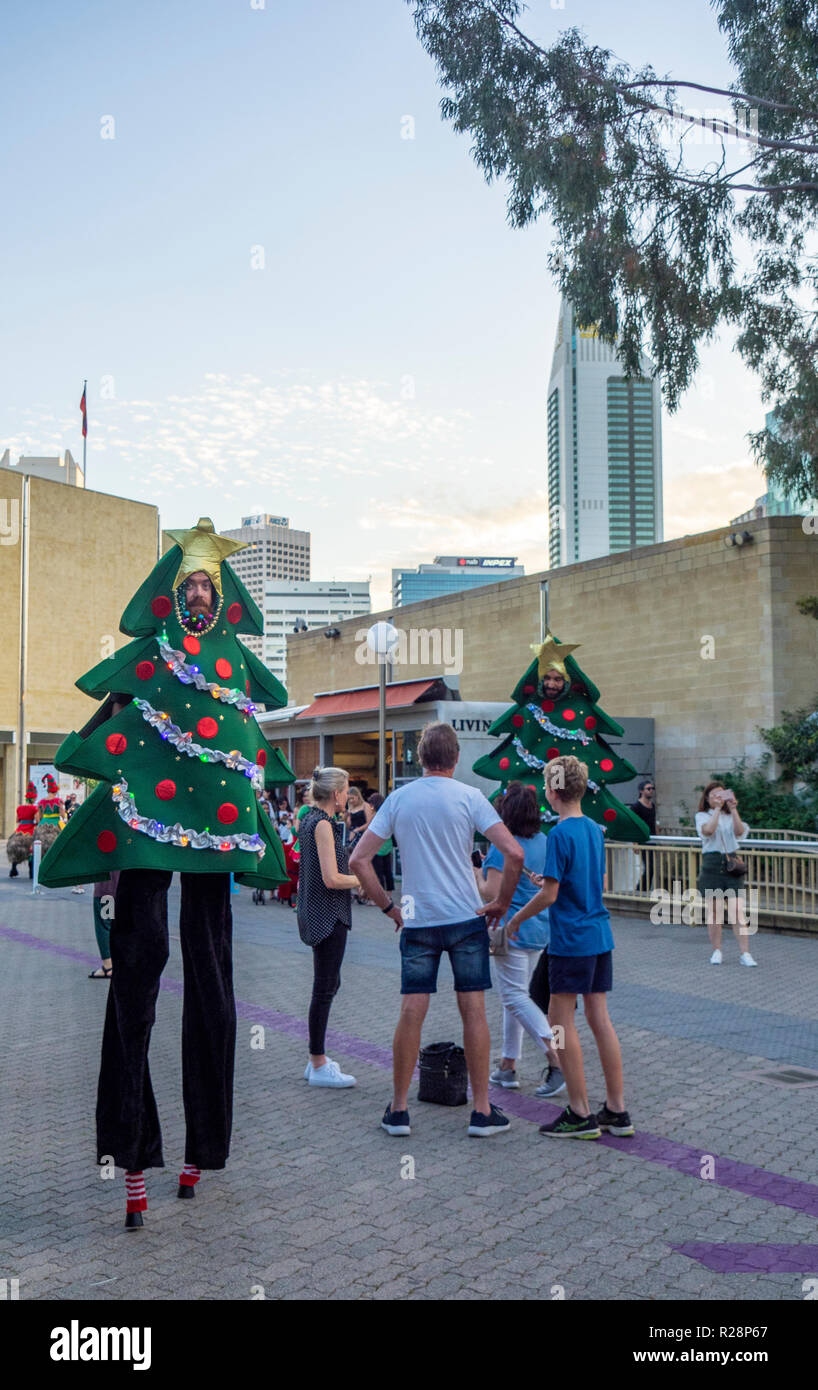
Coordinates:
538	988
326	957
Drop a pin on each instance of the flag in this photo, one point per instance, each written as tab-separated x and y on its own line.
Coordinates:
84	410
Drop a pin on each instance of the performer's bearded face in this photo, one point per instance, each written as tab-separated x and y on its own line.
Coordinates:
199	593
553	685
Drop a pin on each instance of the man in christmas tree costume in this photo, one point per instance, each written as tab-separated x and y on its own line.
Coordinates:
556	712
20	844
181	762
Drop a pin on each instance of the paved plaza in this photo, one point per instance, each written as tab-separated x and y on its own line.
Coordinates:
715	1198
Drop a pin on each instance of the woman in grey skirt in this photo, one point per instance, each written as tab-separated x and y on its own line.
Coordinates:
721	827
324	910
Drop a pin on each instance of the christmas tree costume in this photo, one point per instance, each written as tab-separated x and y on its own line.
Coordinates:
181	762
20	844
538	728
51	812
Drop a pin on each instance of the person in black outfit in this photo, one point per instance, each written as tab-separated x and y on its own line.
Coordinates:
645	808
325	911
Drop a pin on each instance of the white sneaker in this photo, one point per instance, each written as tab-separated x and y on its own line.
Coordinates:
746	959
77	889
308	1069
715	959
330	1075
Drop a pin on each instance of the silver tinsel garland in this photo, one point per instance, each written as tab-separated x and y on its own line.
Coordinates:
545	723
185	744
191	675
537	764
176	834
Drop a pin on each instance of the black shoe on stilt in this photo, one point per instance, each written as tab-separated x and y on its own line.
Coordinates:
185	1191
133	1220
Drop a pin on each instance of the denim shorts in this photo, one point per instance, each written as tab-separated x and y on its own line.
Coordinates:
467	945
580	974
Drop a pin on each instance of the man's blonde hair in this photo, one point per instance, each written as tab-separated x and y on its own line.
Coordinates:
567	777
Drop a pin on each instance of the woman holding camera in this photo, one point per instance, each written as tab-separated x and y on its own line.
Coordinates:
721	827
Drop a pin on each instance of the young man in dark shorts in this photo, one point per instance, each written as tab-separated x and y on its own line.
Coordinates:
580	954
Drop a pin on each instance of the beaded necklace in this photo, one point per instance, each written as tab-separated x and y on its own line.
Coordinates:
203	622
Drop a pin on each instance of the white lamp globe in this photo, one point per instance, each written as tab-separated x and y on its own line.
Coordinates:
382	639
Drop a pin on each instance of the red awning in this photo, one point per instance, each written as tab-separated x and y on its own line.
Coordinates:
362	701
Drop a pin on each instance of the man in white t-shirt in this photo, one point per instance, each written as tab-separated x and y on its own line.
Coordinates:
434	820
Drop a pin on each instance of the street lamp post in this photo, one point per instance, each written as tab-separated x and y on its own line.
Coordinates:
382	638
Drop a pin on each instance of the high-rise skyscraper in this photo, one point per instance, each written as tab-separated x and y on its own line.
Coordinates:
604	449
273	551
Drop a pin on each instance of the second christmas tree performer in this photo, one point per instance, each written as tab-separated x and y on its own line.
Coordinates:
180	761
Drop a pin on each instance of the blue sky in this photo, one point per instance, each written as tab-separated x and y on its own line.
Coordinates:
281	304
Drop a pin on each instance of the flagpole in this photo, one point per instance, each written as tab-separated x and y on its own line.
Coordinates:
84	435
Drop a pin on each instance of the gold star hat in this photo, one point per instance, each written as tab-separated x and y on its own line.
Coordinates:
550	655
203	550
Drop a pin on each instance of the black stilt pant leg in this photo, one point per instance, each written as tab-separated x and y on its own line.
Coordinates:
127	1118
208	1018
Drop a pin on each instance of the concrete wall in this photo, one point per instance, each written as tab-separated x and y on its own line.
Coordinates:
88	553
647	620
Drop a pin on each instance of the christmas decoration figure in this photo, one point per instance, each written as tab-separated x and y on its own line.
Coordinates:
181	763
20	844
50	812
555	712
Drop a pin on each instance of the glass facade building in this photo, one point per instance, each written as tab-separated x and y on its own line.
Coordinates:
604	449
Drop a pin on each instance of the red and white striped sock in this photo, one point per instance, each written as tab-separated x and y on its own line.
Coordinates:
135	1192
189	1175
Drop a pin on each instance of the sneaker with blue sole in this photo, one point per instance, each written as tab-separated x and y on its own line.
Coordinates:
494	1123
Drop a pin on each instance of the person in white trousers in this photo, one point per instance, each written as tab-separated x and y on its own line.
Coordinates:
520	813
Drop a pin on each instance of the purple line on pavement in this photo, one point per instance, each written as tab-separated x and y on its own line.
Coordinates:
739	1177
751	1259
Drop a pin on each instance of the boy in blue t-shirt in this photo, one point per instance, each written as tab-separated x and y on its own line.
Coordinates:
579	957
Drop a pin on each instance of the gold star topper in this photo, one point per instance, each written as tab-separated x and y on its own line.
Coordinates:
549	654
203	549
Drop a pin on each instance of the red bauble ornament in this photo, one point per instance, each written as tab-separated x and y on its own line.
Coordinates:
610	814
161	606
227	813
552	753
192	645
234	613
530	787
528	690
606	765
517	720
503	764
223	668
166	789
547	705
207	727
569	715
116	743
261	757
590	722
106	841
145	670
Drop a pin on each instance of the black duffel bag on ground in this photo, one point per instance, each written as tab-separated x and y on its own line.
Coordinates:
443	1074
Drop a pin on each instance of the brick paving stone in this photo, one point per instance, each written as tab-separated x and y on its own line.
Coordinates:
313	1205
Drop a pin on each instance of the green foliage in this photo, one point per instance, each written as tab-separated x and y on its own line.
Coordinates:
795	744
647	222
